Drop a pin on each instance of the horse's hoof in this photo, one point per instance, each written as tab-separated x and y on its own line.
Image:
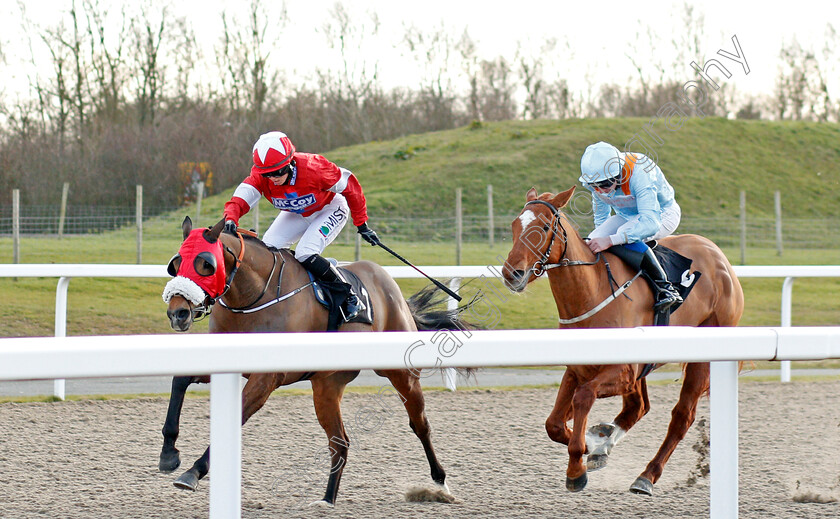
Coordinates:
642	486
169	462
322	504
187	481
597	435
596	461
577	484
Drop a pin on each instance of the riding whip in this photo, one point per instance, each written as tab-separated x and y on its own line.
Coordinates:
435	281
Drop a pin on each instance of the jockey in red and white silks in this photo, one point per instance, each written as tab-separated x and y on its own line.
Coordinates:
315	198
316	194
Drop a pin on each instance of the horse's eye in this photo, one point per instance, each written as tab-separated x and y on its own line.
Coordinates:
205	264
174	265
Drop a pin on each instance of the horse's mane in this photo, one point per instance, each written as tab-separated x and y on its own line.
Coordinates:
250	236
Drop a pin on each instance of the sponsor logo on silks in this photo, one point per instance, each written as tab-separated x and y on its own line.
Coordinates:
334	220
293	202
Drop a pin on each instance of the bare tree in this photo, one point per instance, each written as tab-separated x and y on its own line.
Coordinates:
148	30
106	63
496	90
435	52
801	91
243	57
468	49
345	91
531	71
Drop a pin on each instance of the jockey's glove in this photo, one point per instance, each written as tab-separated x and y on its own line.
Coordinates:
230	226
368	234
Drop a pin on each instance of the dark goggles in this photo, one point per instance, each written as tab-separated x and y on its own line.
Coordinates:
279	173
605	184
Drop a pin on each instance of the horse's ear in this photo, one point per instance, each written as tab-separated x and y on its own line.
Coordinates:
561	199
186	226
531	195
213	234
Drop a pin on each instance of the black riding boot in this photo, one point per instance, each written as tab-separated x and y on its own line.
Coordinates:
323	270
666	295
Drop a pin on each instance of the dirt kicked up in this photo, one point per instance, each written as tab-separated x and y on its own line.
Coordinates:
99	458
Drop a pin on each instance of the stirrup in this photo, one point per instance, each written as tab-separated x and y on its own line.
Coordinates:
352	307
667	298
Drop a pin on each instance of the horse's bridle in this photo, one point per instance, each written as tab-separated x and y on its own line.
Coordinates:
203	310
542	265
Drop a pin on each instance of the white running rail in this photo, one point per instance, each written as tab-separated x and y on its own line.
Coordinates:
139	355
65	272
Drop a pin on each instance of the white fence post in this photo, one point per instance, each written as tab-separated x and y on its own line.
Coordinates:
60	325
450	375
723	432
787	298
225	446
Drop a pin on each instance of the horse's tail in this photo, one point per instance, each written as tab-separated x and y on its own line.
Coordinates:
428	315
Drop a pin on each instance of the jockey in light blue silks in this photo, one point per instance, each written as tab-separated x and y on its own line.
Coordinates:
633	186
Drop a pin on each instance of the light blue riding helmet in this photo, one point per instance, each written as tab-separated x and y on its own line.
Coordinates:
600	161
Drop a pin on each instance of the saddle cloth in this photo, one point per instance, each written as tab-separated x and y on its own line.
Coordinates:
333	295
678	269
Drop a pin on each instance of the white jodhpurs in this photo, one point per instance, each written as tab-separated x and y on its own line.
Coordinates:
617	226
313	233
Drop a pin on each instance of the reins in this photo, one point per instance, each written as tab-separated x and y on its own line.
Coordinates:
250	308
542	265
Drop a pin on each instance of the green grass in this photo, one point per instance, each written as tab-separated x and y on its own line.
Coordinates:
110	306
709	161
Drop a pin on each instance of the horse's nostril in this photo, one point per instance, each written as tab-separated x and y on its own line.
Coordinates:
182	314
518	274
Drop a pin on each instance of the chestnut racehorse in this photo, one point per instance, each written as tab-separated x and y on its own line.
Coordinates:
544	240
263	275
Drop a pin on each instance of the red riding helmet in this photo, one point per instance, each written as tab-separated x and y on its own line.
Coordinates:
272	151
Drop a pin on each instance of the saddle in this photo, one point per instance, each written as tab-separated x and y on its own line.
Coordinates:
332	297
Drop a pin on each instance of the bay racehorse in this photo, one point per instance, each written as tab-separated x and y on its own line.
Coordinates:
258	276
544	240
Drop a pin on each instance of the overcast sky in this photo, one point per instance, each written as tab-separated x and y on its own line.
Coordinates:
599	34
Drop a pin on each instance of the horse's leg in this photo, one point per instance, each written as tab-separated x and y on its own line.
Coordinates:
556	424
327	394
408	386
601	438
169	456
254	395
608	381
682	416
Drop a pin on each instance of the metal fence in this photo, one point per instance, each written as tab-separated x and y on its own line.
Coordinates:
805	233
